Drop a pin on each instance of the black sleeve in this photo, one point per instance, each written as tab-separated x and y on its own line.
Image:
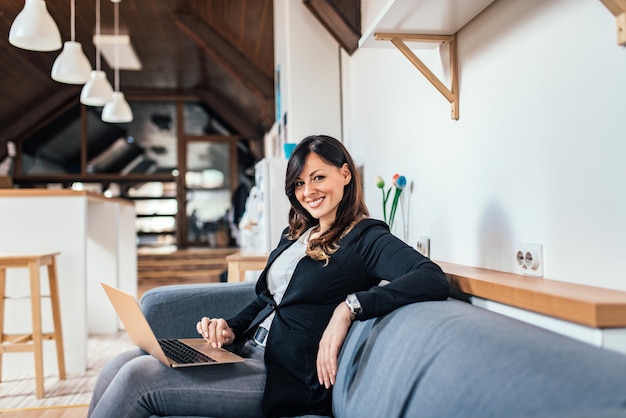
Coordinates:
412	277
243	319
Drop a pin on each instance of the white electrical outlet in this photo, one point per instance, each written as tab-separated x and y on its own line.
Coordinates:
529	259
423	246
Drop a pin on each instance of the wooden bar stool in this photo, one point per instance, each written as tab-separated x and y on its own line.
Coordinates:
33	342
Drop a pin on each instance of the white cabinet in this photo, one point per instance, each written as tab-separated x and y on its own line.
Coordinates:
97	242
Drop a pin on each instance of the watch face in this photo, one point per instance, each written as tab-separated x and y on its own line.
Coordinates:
353	304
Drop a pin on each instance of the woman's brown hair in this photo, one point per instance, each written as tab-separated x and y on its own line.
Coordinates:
351	208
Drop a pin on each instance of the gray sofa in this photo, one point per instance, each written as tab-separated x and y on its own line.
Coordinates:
435	359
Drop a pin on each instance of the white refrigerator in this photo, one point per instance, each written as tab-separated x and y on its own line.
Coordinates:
267	208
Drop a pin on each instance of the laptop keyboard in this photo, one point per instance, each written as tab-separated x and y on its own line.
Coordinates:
183	354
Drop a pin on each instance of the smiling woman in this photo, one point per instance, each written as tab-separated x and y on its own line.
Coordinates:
323	274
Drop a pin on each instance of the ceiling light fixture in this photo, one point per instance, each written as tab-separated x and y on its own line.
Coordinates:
98	90
34	29
127	59
117	110
71	66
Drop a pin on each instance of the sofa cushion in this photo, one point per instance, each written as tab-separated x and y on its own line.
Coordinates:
450	359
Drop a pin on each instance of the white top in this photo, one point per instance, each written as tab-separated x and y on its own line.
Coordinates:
279	274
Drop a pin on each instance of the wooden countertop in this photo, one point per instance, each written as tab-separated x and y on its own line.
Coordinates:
587	305
61	193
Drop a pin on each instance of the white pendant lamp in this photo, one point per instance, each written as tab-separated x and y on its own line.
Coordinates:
71	66
34	29
98	90
117	110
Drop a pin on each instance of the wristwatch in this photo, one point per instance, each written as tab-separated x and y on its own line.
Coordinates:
353	303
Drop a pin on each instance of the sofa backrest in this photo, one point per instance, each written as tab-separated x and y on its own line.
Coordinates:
452	359
173	311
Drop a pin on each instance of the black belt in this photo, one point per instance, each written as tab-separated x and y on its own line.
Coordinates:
260	336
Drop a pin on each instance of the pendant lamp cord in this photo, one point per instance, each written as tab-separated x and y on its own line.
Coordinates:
98	35
73	18
117	29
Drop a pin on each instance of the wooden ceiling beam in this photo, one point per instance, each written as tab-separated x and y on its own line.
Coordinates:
224	52
226	111
345	29
40	114
159	95
92	177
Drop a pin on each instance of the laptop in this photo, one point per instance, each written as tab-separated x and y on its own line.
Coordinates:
187	352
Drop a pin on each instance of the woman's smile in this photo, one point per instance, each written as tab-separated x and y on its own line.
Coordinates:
313	204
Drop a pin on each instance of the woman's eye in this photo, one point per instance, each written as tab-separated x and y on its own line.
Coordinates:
299	183
318	178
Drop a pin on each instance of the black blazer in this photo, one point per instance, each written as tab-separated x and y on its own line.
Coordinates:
367	254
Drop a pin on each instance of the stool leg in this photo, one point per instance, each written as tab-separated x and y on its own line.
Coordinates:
3	275
56	317
35	303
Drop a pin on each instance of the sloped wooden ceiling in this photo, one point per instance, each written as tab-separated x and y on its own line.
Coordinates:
342	18
219	51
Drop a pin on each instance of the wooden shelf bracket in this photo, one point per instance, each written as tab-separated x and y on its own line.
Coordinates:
618	8
451	94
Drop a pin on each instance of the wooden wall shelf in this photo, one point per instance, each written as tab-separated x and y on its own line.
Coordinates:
435	22
431	17
594	307
586	305
451	94
426	24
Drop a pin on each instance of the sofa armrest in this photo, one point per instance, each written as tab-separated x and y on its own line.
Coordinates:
173	311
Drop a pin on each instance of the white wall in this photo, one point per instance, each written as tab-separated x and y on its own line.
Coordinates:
96	240
537	154
304	48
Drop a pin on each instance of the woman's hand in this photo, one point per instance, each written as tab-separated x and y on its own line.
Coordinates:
216	331
330	344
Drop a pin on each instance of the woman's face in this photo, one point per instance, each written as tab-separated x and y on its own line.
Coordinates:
319	188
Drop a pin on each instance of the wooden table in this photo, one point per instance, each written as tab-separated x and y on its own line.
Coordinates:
239	263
